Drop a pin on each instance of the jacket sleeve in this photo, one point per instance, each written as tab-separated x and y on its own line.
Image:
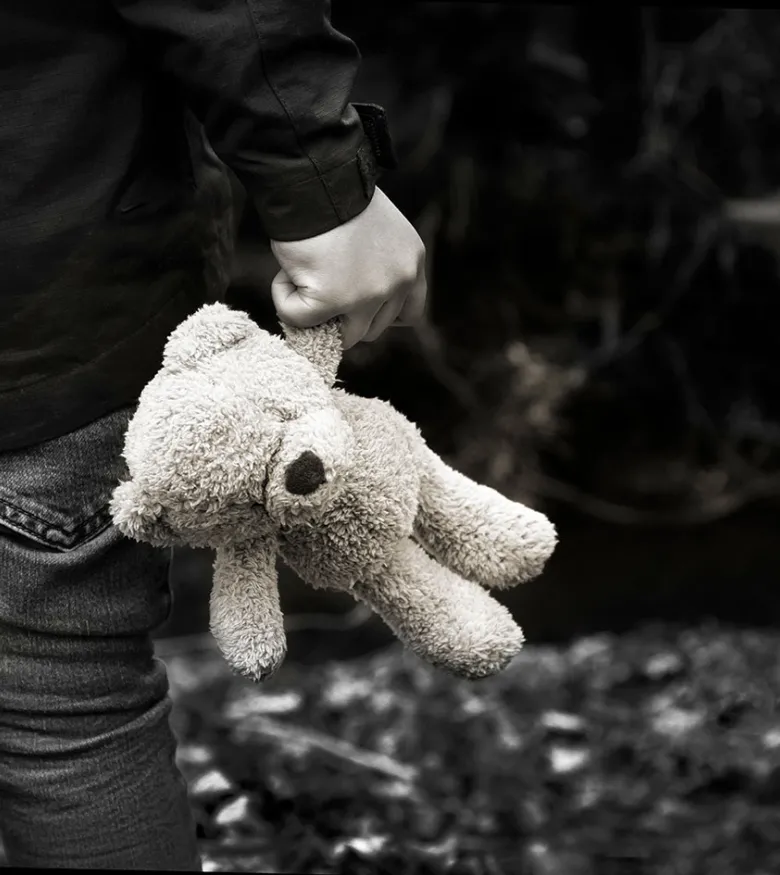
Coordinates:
270	81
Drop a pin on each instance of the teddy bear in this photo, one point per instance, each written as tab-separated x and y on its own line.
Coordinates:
244	443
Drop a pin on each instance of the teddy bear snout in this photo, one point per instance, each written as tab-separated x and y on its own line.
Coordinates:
305	475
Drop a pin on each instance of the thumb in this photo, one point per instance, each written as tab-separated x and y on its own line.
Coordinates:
296	306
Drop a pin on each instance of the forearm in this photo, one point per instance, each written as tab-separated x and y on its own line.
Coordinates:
270	80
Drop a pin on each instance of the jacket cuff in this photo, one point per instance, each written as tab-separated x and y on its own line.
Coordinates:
335	196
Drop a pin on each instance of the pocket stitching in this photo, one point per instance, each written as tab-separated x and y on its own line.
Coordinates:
41	533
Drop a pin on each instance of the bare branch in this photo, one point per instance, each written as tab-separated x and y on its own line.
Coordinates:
303	738
714	508
431	142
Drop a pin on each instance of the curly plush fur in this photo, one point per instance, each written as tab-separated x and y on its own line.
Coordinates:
241	443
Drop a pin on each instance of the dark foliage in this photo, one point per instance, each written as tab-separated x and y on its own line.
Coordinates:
595	188
656	752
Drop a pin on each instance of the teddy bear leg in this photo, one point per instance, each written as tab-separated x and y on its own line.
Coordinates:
478	532
246	619
446	620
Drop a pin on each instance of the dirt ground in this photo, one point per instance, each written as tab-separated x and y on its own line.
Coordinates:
656	751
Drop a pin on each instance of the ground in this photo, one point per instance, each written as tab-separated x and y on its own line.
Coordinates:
656	751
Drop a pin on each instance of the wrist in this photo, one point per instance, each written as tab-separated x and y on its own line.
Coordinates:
320	203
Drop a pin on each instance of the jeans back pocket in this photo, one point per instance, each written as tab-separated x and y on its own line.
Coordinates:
57	493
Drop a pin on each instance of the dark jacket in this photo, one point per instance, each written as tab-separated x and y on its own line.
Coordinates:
115	213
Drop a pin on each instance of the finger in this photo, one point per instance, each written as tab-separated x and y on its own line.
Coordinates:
355	325
297	307
385	317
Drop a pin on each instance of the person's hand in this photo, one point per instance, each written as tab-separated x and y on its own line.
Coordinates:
369	271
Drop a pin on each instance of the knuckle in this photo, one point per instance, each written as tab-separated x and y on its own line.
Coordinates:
412	271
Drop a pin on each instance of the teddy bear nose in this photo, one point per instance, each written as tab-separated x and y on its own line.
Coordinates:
305	475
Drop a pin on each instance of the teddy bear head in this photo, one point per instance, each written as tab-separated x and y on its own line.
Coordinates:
236	436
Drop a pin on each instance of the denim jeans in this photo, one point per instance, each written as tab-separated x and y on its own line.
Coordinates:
87	771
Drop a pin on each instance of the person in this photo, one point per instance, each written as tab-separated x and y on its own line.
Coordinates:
119	118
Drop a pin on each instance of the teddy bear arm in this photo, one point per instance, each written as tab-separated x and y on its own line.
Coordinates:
246	617
138	516
446	620
478	532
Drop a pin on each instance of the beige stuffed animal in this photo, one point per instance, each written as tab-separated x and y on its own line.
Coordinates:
241	443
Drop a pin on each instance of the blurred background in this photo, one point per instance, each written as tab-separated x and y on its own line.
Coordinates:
599	193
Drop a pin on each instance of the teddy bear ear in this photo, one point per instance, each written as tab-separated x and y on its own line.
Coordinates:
138	517
209	330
